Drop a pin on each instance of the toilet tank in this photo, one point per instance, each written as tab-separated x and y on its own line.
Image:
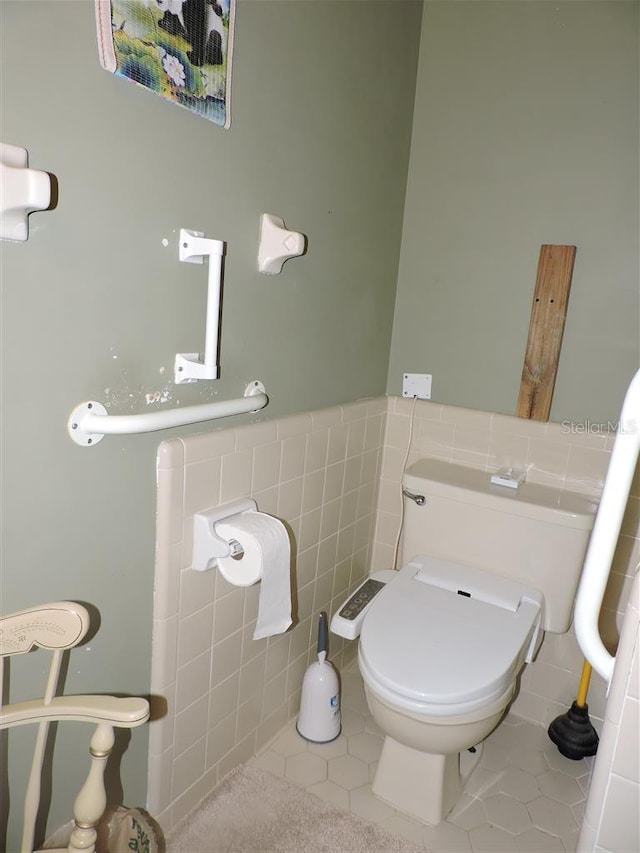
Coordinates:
535	534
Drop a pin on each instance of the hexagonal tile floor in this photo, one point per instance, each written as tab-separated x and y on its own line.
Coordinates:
523	797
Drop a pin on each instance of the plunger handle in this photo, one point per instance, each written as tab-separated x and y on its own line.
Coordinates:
583	687
323	633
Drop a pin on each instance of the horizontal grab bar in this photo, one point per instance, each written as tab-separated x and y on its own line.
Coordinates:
89	422
604	538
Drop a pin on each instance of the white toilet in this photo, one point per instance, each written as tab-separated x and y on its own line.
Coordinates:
486	569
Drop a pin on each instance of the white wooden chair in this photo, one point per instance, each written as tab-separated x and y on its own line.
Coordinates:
58	626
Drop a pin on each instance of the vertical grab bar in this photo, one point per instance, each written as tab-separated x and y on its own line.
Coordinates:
606	530
192	249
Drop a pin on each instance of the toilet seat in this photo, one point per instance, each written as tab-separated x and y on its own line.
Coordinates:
442	639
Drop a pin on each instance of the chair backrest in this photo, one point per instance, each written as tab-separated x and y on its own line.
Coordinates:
57	627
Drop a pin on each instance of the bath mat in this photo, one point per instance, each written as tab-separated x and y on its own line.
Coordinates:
179	49
253	811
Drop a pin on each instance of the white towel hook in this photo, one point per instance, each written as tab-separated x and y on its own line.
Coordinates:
277	244
22	190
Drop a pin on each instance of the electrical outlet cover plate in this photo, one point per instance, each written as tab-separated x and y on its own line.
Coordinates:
416	385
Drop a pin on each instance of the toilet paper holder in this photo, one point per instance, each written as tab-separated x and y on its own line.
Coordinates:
208	547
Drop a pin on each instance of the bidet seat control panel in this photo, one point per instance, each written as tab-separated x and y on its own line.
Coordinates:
347	622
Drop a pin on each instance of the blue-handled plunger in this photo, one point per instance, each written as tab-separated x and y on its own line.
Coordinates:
319	719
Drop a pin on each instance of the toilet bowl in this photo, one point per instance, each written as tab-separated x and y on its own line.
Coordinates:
439	654
486	570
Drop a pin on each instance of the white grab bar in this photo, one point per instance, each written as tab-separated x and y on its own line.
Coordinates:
193	248
606	530
89	422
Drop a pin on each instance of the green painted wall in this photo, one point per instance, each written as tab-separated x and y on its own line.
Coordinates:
525	132
94	307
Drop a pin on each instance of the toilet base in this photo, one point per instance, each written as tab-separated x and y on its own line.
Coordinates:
420	784
419	769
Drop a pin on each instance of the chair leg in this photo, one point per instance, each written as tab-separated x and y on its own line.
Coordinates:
92	799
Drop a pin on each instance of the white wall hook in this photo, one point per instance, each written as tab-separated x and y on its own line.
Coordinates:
192	249
277	244
22	190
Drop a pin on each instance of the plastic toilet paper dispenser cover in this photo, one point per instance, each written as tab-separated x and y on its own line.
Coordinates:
248	546
208	545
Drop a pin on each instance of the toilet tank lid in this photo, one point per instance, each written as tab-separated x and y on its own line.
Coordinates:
473	486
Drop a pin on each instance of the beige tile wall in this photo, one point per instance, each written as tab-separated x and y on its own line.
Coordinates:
220	695
567	456
333	477
611	821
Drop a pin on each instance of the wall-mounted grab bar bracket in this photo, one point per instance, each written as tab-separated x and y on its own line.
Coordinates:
77	425
193	247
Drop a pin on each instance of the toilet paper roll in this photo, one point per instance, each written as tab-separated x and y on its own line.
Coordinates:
267	556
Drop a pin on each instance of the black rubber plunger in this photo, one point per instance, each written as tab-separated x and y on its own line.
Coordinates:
572	732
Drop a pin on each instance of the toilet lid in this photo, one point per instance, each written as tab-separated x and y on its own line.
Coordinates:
442	638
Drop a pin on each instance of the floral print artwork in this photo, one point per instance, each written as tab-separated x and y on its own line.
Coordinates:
180	49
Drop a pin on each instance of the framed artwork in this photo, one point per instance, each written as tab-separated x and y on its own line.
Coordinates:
179	49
